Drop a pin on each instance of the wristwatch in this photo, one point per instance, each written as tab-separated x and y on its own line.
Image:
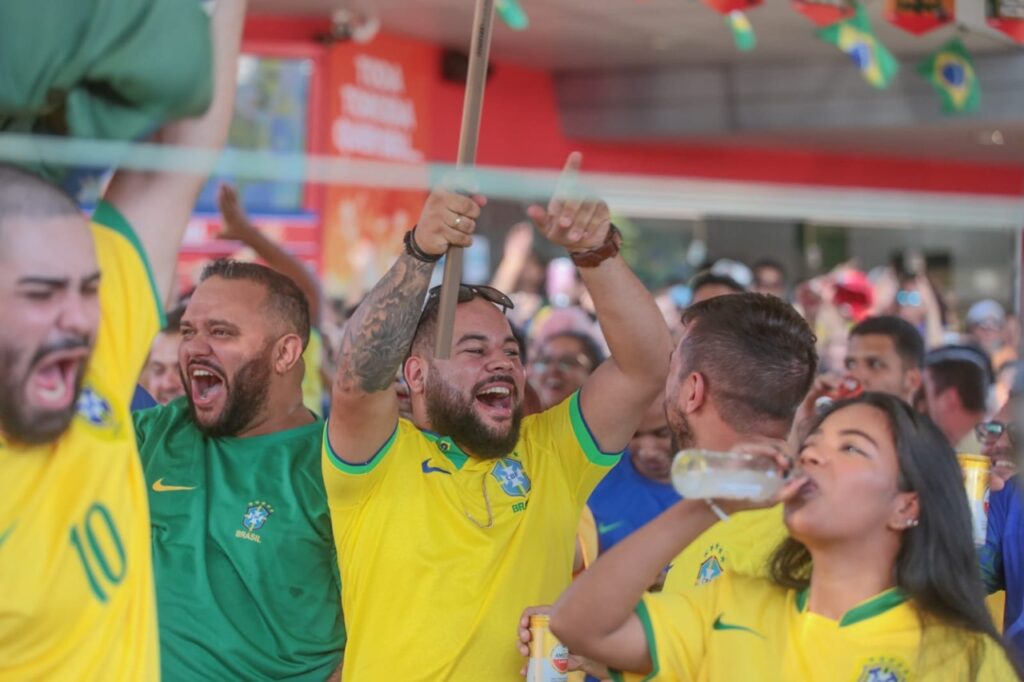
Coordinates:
591	258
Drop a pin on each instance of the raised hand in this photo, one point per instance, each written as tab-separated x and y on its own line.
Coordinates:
578	224
448	219
236	223
575	662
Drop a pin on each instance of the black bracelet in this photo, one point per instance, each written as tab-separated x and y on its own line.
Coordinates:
414	250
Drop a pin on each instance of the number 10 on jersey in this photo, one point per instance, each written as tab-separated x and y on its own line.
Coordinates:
96	540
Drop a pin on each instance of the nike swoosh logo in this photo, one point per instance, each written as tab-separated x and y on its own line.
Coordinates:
719	625
427	469
159	487
7	533
603	528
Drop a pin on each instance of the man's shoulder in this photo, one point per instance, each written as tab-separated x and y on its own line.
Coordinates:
160	415
154	426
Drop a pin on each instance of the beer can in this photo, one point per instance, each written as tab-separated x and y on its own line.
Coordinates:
976	468
549	659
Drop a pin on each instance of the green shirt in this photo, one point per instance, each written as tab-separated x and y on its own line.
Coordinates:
246	571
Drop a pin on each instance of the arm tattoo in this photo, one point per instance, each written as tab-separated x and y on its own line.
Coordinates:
377	338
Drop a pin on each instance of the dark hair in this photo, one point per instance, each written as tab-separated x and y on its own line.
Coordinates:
964	368
905	338
937	566
768	263
174	316
757	356
707	279
24	194
284	297
426	328
591	348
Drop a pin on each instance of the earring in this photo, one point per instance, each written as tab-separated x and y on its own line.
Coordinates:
912	523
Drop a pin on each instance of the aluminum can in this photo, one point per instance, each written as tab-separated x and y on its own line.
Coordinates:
549	659
976	469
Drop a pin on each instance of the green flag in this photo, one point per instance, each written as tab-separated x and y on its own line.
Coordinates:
742	32
951	72
512	13
856	38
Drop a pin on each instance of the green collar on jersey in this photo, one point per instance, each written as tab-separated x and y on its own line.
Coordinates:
452	452
875	606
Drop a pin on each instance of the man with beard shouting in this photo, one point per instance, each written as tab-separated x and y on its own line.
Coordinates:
80	302
448	525
246	575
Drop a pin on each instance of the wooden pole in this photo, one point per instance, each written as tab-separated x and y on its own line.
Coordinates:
480	48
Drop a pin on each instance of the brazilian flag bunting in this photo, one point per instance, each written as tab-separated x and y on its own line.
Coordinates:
951	72
856	38
742	31
512	13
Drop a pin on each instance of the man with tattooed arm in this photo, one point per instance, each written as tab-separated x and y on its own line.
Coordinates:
448	525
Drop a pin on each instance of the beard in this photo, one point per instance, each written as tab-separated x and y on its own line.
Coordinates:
452	415
18	421
682	434
245	396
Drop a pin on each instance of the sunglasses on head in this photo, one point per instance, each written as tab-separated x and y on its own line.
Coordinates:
991	431
467	292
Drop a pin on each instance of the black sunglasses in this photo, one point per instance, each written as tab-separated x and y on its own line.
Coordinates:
991	431
467	292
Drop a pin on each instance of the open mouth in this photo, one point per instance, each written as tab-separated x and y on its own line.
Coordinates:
207	385
807	491
52	382
497	400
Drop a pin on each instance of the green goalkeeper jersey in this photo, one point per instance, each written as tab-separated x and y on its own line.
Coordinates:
246	572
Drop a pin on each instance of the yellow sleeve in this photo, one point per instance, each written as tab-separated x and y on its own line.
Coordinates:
587	537
349	485
131	309
742	545
676	626
312	384
565	430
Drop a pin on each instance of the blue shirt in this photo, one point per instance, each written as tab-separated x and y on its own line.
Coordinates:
626	500
142	400
1002	558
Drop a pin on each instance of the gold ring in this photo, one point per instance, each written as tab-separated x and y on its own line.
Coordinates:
458	221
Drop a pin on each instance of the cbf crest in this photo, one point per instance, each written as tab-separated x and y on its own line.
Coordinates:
255	517
884	669
94	408
712	566
511	477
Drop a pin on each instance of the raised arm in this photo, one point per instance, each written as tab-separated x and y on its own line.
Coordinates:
595	617
237	226
158	204
364	407
616	396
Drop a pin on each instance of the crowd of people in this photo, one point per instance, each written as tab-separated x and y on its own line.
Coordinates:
235	487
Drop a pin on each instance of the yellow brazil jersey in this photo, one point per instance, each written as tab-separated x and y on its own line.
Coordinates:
76	579
744	544
744	628
312	384
440	553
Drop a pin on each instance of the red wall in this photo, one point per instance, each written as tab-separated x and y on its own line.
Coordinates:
521	127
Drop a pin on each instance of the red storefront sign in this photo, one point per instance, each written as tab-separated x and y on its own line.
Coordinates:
378	105
1007	16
